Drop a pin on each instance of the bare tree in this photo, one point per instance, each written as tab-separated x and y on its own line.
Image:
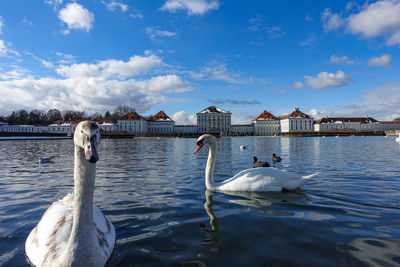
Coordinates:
122	110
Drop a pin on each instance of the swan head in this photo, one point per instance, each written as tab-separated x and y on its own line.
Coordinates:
87	137
205	139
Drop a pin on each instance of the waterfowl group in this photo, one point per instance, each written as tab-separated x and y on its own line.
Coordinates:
74	232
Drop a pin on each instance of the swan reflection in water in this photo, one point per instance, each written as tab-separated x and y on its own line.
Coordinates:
261	203
211	238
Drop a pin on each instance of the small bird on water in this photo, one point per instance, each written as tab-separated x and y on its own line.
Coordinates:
276	158
257	164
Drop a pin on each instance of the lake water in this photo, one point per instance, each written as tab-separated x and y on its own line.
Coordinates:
153	192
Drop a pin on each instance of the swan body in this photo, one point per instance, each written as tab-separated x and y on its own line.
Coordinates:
249	180
73	231
398	139
243	147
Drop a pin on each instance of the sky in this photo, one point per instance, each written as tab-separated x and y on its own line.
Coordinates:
328	58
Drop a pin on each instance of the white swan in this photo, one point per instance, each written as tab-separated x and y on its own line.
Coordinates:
251	180
398	139
73	231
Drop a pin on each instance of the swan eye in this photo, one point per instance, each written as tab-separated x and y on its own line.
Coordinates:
199	142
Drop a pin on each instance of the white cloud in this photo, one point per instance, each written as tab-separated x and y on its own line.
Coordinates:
341	60
383	61
315	113
331	21
76	17
381	103
114	5
155	33
47	64
15	73
54	3
27	22
111	69
254	24
327	80
5	50
65	59
309	18
94	87
136	14
1	24
192	7
184	118
311	40
218	71
298	85
274	32
377	19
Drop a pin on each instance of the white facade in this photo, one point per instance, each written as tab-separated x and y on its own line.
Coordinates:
266	124
389	125
185	129
242	129
161	124
267	127
357	124
108	127
214	120
133	126
297	122
133	123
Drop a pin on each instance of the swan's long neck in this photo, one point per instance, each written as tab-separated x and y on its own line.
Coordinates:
83	235
212	156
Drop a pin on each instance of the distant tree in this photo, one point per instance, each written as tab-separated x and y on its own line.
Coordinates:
397	119
53	115
107	115
70	115
19	117
96	116
37	117
122	110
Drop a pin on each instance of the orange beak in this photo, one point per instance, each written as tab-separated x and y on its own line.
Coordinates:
198	148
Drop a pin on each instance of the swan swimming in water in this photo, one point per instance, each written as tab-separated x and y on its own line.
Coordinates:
250	180
398	139
73	231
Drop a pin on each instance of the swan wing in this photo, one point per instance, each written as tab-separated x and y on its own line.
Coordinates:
49	239
261	180
105	233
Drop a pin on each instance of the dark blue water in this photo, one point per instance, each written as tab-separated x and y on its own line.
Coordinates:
153	192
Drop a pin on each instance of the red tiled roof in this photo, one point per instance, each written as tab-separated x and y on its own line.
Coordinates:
100	121
59	122
390	122
297	114
265	115
160	116
132	116
352	119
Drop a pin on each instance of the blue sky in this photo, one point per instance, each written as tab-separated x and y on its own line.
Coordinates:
329	58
